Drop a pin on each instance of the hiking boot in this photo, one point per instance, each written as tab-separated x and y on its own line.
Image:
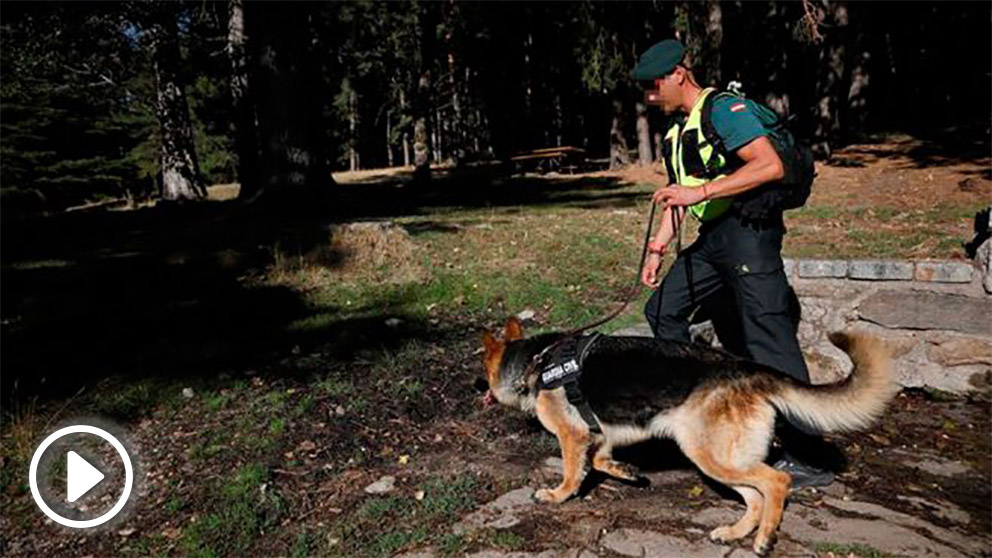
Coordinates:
804	475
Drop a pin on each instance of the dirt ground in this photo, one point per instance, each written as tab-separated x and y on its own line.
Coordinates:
327	456
273	456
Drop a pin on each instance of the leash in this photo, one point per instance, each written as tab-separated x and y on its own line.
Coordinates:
630	294
569	352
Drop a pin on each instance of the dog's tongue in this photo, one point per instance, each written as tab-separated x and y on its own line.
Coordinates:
487	399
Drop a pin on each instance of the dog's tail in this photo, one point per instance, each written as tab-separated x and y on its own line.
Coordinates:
851	404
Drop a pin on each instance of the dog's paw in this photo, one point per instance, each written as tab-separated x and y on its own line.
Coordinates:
722	535
626	471
763	545
618	470
548	496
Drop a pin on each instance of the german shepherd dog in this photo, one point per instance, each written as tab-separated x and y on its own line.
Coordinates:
720	409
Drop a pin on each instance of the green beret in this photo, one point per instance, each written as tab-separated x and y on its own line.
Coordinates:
658	60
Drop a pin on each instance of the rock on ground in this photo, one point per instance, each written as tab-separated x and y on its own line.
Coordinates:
382	486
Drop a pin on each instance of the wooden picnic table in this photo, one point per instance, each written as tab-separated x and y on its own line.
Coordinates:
548	159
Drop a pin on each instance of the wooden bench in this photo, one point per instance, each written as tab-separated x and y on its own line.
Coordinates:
550	159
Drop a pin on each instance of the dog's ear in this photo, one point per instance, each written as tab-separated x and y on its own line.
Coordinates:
494	354
514	330
490	342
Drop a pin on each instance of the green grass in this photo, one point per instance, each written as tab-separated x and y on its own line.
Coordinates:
211	444
384	525
127	400
304	405
873	245
935	394
571	265
175	504
358	404
275	399
143	547
451	544
506	540
575	278
377	508
413	388
302	546
336	387
277	426
888	232
216	402
445	499
241	508
389	542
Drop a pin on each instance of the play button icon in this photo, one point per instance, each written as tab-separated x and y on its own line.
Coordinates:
88	490
80	476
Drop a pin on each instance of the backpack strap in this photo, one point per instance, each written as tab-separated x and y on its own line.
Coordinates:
667	152
709	130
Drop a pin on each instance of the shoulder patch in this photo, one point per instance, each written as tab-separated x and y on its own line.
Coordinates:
737	107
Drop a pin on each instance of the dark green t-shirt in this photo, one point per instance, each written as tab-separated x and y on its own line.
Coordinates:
735	122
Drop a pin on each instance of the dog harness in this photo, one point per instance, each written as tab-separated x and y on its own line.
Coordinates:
562	367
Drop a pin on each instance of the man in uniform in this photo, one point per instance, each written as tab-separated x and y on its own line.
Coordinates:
736	262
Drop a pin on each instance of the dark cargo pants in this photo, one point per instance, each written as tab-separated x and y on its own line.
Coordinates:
734	273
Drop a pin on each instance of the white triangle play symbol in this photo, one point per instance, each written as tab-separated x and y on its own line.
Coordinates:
80	476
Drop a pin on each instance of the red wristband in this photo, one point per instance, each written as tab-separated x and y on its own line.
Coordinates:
656	248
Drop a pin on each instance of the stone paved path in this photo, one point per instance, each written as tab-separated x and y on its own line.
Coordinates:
815	524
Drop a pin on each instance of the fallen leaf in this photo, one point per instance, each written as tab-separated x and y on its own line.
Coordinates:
171	533
878	439
307	445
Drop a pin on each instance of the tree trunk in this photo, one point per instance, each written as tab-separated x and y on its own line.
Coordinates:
527	125
438	130
685	31
713	43
657	146
406	134
422	106
619	155
389	145
644	158
700	27
456	124
421	137
353	162
830	83
857	94
773	65
243	124
180	169
292	165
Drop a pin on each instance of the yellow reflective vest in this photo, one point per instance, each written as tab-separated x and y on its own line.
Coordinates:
693	160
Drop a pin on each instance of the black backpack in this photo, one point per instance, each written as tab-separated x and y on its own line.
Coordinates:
789	193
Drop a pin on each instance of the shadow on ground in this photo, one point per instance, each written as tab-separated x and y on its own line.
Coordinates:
952	146
478	187
162	292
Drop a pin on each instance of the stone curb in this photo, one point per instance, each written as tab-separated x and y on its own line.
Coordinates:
932	271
